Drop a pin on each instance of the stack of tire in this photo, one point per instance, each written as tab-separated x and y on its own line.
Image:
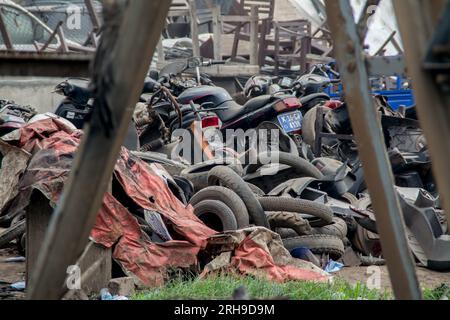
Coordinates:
225	202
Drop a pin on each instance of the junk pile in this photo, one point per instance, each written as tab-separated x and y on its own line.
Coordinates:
145	217
301	211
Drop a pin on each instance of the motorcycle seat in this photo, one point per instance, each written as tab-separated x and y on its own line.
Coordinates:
235	110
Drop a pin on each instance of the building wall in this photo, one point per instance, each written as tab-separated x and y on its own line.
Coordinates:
36	92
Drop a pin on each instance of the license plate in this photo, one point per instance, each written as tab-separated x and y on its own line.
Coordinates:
291	121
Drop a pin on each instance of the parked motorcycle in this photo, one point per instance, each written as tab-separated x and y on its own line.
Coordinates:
78	103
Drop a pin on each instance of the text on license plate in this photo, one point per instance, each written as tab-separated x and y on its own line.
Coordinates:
291	121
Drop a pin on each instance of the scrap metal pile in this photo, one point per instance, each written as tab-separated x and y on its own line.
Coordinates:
299	211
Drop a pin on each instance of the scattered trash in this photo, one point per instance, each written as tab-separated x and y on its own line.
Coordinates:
333	267
14	260
106	295
19	286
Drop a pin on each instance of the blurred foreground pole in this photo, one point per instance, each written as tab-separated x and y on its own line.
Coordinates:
132	30
430	22
372	150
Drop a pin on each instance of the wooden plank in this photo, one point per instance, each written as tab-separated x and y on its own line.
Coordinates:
194	29
254	35
217	31
38	215
122	62
432	103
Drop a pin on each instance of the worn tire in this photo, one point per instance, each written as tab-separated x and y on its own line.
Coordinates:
338	229
230	179
350	198
318	244
213	211
229	198
12	233
301	166
198	174
318	210
309	126
256	190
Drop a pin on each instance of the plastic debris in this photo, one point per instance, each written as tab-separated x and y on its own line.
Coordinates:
19	286
106	295
333	266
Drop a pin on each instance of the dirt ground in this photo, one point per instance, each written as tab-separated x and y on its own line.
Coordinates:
428	279
10	272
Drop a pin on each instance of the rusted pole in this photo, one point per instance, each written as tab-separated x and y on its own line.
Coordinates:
433	106
372	150
122	62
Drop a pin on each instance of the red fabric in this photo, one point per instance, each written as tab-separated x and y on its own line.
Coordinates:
251	258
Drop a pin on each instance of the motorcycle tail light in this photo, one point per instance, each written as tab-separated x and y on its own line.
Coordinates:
288	103
211	121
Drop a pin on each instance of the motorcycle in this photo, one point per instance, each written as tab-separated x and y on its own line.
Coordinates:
309	88
217	107
78	102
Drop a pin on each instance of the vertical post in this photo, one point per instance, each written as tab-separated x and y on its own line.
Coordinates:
120	67
254	35
432	104
372	149
194	28
262	42
160	49
4	33
305	49
217	30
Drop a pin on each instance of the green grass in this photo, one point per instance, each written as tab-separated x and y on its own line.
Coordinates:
223	287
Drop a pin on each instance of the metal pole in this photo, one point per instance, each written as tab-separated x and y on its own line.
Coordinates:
372	150
121	64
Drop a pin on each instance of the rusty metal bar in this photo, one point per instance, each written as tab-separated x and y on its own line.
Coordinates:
363	21
52	36
432	103
94	17
5	34
372	150
121	64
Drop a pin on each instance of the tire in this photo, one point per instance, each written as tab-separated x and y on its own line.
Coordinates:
229	198
230	179
289	220
309	126
256	190
198	174
300	165
318	210
318	244
286	233
350	198
216	215
338	229
12	233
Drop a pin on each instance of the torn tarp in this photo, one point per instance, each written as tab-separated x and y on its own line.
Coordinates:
260	252
53	147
